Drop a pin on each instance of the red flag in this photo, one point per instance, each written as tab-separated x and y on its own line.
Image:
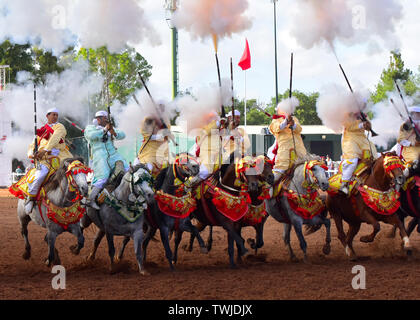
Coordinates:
245	62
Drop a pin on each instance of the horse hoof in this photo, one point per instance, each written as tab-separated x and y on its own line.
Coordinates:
294	259
251	242
47	262
26	255
306	261
204	250
144	273
326	249
234	267
186	248
91	257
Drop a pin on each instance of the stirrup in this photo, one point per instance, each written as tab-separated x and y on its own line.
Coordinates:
345	188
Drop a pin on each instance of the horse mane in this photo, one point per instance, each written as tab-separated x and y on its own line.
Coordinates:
160	178
224	166
54	181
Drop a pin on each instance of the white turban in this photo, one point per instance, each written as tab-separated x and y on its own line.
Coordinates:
52	110
414	109
101	113
237	113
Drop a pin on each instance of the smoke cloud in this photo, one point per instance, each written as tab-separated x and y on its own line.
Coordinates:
206	18
347	21
57	24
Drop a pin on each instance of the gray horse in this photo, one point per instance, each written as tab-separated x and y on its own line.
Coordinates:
122	214
280	209
61	191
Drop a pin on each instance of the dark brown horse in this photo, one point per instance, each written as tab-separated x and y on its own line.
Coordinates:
234	181
362	206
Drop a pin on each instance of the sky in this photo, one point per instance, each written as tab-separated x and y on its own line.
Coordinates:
313	68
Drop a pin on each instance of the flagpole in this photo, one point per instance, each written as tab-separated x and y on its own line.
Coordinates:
245	99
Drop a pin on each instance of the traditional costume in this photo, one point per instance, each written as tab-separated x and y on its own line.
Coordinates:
105	156
407	139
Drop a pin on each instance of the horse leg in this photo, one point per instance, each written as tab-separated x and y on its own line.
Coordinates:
353	230
111	251
229	227
98	238
200	227
164	236
210	238
138	239
238	248
149	235
178	238
297	225
286	238
119	257
76	230
231	252
338	220
188	226
376	228
392	233
24	221
394	220
411	225
53	257
326	249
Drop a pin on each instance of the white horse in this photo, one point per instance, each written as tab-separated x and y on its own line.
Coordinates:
62	192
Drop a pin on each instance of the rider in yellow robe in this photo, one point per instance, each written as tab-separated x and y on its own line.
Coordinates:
408	139
154	151
355	145
236	139
51	143
287	131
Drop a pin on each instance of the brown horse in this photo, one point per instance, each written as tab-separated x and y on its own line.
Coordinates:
363	205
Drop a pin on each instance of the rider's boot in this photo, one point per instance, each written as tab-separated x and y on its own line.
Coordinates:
277	176
344	187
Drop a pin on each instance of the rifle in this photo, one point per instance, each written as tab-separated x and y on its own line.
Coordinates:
223	116
233	99
159	114
110	121
362	115
35	128
406	110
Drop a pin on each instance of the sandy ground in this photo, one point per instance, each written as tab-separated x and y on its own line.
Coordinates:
269	275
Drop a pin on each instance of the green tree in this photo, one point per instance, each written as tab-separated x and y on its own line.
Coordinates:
395	71
123	68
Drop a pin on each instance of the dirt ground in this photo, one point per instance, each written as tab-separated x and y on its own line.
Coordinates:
267	276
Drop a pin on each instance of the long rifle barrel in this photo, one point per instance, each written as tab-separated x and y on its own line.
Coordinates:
291	76
220	83
362	115
406	110
35	128
165	126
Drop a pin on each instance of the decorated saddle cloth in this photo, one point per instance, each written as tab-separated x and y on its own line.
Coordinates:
20	188
336	180
129	211
62	216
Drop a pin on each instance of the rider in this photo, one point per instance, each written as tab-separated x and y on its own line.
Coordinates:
154	151
286	128
105	156
51	143
208	145
408	139
236	139
355	145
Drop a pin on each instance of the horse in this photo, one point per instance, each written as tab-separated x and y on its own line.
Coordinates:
298	203
59	210
123	214
410	200
373	199
256	215
172	205
226	201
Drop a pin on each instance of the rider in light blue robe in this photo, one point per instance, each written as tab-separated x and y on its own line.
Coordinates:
104	154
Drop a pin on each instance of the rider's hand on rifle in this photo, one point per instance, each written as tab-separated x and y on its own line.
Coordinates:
111	130
40	154
290	121
367	125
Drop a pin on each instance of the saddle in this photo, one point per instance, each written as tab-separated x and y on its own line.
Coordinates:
20	188
359	175
113	181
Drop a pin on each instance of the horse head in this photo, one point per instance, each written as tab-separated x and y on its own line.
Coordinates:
186	165
392	169
254	171
315	174
76	173
142	182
